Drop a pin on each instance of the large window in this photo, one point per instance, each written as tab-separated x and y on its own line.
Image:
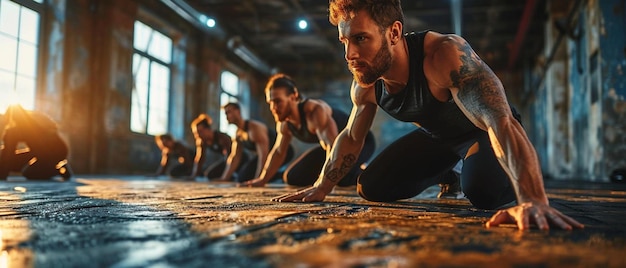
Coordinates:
151	79
19	41
230	93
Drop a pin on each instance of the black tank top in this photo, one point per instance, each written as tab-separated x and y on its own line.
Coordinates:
248	144
216	146
303	134
416	104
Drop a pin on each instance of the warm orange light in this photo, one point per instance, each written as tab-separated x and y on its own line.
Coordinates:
16	98
4	259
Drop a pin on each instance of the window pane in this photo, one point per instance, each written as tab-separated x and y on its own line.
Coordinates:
6	89
224	126
160	75
150	110
161	47
8	53
139	98
158	122
29	28
140	69
141	36
138	116
9	17
159	99
230	83
25	89
27	60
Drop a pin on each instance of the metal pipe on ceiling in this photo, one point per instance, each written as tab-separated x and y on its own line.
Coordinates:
198	19
520	37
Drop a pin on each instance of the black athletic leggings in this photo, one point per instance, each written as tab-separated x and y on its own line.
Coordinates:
305	170
416	161
247	169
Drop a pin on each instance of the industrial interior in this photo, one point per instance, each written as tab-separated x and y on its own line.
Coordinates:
113	74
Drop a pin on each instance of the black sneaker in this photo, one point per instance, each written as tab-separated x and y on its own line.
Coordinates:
64	169
452	188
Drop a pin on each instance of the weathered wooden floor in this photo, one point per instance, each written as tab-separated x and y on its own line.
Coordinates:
138	222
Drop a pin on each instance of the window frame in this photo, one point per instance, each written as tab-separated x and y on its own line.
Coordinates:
152	59
224	126
37	8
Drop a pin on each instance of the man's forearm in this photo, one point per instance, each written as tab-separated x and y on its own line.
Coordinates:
275	158
231	164
342	158
518	157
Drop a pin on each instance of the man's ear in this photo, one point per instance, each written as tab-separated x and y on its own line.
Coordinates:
395	32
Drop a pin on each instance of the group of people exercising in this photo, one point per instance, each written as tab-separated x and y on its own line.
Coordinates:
257	153
433	80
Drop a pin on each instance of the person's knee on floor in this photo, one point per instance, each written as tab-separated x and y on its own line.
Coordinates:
484	197
40	171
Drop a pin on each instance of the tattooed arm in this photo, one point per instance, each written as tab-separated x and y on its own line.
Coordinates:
455	70
346	147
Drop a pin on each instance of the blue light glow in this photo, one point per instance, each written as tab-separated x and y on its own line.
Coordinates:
210	22
303	24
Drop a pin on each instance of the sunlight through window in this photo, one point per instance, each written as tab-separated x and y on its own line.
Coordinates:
151	75
19	37
230	93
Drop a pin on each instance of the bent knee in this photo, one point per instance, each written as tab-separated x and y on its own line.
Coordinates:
376	194
292	179
489	200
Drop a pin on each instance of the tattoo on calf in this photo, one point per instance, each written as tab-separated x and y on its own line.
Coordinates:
337	174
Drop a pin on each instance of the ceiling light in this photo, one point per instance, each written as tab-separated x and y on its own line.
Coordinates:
302	24
210	22
207	20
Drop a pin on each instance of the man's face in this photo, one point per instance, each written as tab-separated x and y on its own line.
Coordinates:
168	143
232	114
204	133
280	102
366	48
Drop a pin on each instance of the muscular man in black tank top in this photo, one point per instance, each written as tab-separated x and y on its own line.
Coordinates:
439	83
209	140
311	121
176	157
254	136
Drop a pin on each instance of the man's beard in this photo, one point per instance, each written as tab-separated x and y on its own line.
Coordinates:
281	117
380	64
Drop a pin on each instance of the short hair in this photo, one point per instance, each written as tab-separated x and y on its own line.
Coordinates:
163	137
384	13
281	80
232	104
202	120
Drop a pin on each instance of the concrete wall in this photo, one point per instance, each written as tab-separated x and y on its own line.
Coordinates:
573	104
613	83
86	79
578	105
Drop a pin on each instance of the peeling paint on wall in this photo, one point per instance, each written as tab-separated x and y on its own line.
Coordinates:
613	62
584	108
54	68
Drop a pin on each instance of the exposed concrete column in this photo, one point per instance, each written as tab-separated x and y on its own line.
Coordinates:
455	9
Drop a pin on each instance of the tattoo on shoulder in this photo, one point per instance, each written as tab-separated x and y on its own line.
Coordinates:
475	80
337	174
